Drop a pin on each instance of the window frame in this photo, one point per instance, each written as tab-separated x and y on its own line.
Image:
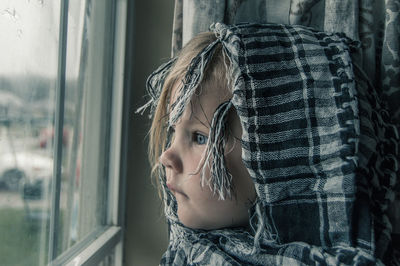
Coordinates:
108	239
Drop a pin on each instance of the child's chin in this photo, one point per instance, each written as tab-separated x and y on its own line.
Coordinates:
193	223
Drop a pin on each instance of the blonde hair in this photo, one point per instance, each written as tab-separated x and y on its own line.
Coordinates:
214	74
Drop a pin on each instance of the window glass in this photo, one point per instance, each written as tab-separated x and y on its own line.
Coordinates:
29	79
28	75
86	120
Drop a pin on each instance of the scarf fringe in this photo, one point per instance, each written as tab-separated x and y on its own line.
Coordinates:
220	180
191	81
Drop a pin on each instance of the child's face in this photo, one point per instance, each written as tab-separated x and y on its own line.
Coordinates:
198	207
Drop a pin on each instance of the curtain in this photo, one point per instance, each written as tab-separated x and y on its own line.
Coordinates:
375	23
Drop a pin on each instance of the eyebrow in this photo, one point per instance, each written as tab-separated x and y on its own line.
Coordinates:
204	113
193	119
198	119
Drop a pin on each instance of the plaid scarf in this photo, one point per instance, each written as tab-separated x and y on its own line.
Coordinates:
316	141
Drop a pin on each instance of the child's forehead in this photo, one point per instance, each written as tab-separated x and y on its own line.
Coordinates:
203	102
204	92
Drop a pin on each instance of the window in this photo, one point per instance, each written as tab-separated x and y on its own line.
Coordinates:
61	101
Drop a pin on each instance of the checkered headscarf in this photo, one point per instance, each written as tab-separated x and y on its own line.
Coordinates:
316	142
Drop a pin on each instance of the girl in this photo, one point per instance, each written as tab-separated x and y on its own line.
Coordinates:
266	148
185	163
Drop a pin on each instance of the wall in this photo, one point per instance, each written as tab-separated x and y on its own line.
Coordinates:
146	234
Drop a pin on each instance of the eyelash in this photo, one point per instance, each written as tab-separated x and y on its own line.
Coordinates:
197	137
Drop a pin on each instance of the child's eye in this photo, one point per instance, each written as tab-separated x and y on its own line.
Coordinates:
200	139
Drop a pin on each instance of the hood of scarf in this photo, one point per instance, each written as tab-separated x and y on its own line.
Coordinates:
317	143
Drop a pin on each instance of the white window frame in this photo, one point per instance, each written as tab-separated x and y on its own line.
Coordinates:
108	239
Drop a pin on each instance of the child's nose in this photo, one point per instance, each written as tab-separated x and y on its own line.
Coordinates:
170	159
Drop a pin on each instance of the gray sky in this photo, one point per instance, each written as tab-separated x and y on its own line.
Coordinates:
29	36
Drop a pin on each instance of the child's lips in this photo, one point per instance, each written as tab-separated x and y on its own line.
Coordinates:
175	190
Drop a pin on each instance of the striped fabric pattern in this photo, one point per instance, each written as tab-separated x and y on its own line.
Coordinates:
309	143
295	97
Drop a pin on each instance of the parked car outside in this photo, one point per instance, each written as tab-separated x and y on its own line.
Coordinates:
25	171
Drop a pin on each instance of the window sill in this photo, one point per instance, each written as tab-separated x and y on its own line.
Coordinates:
93	249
